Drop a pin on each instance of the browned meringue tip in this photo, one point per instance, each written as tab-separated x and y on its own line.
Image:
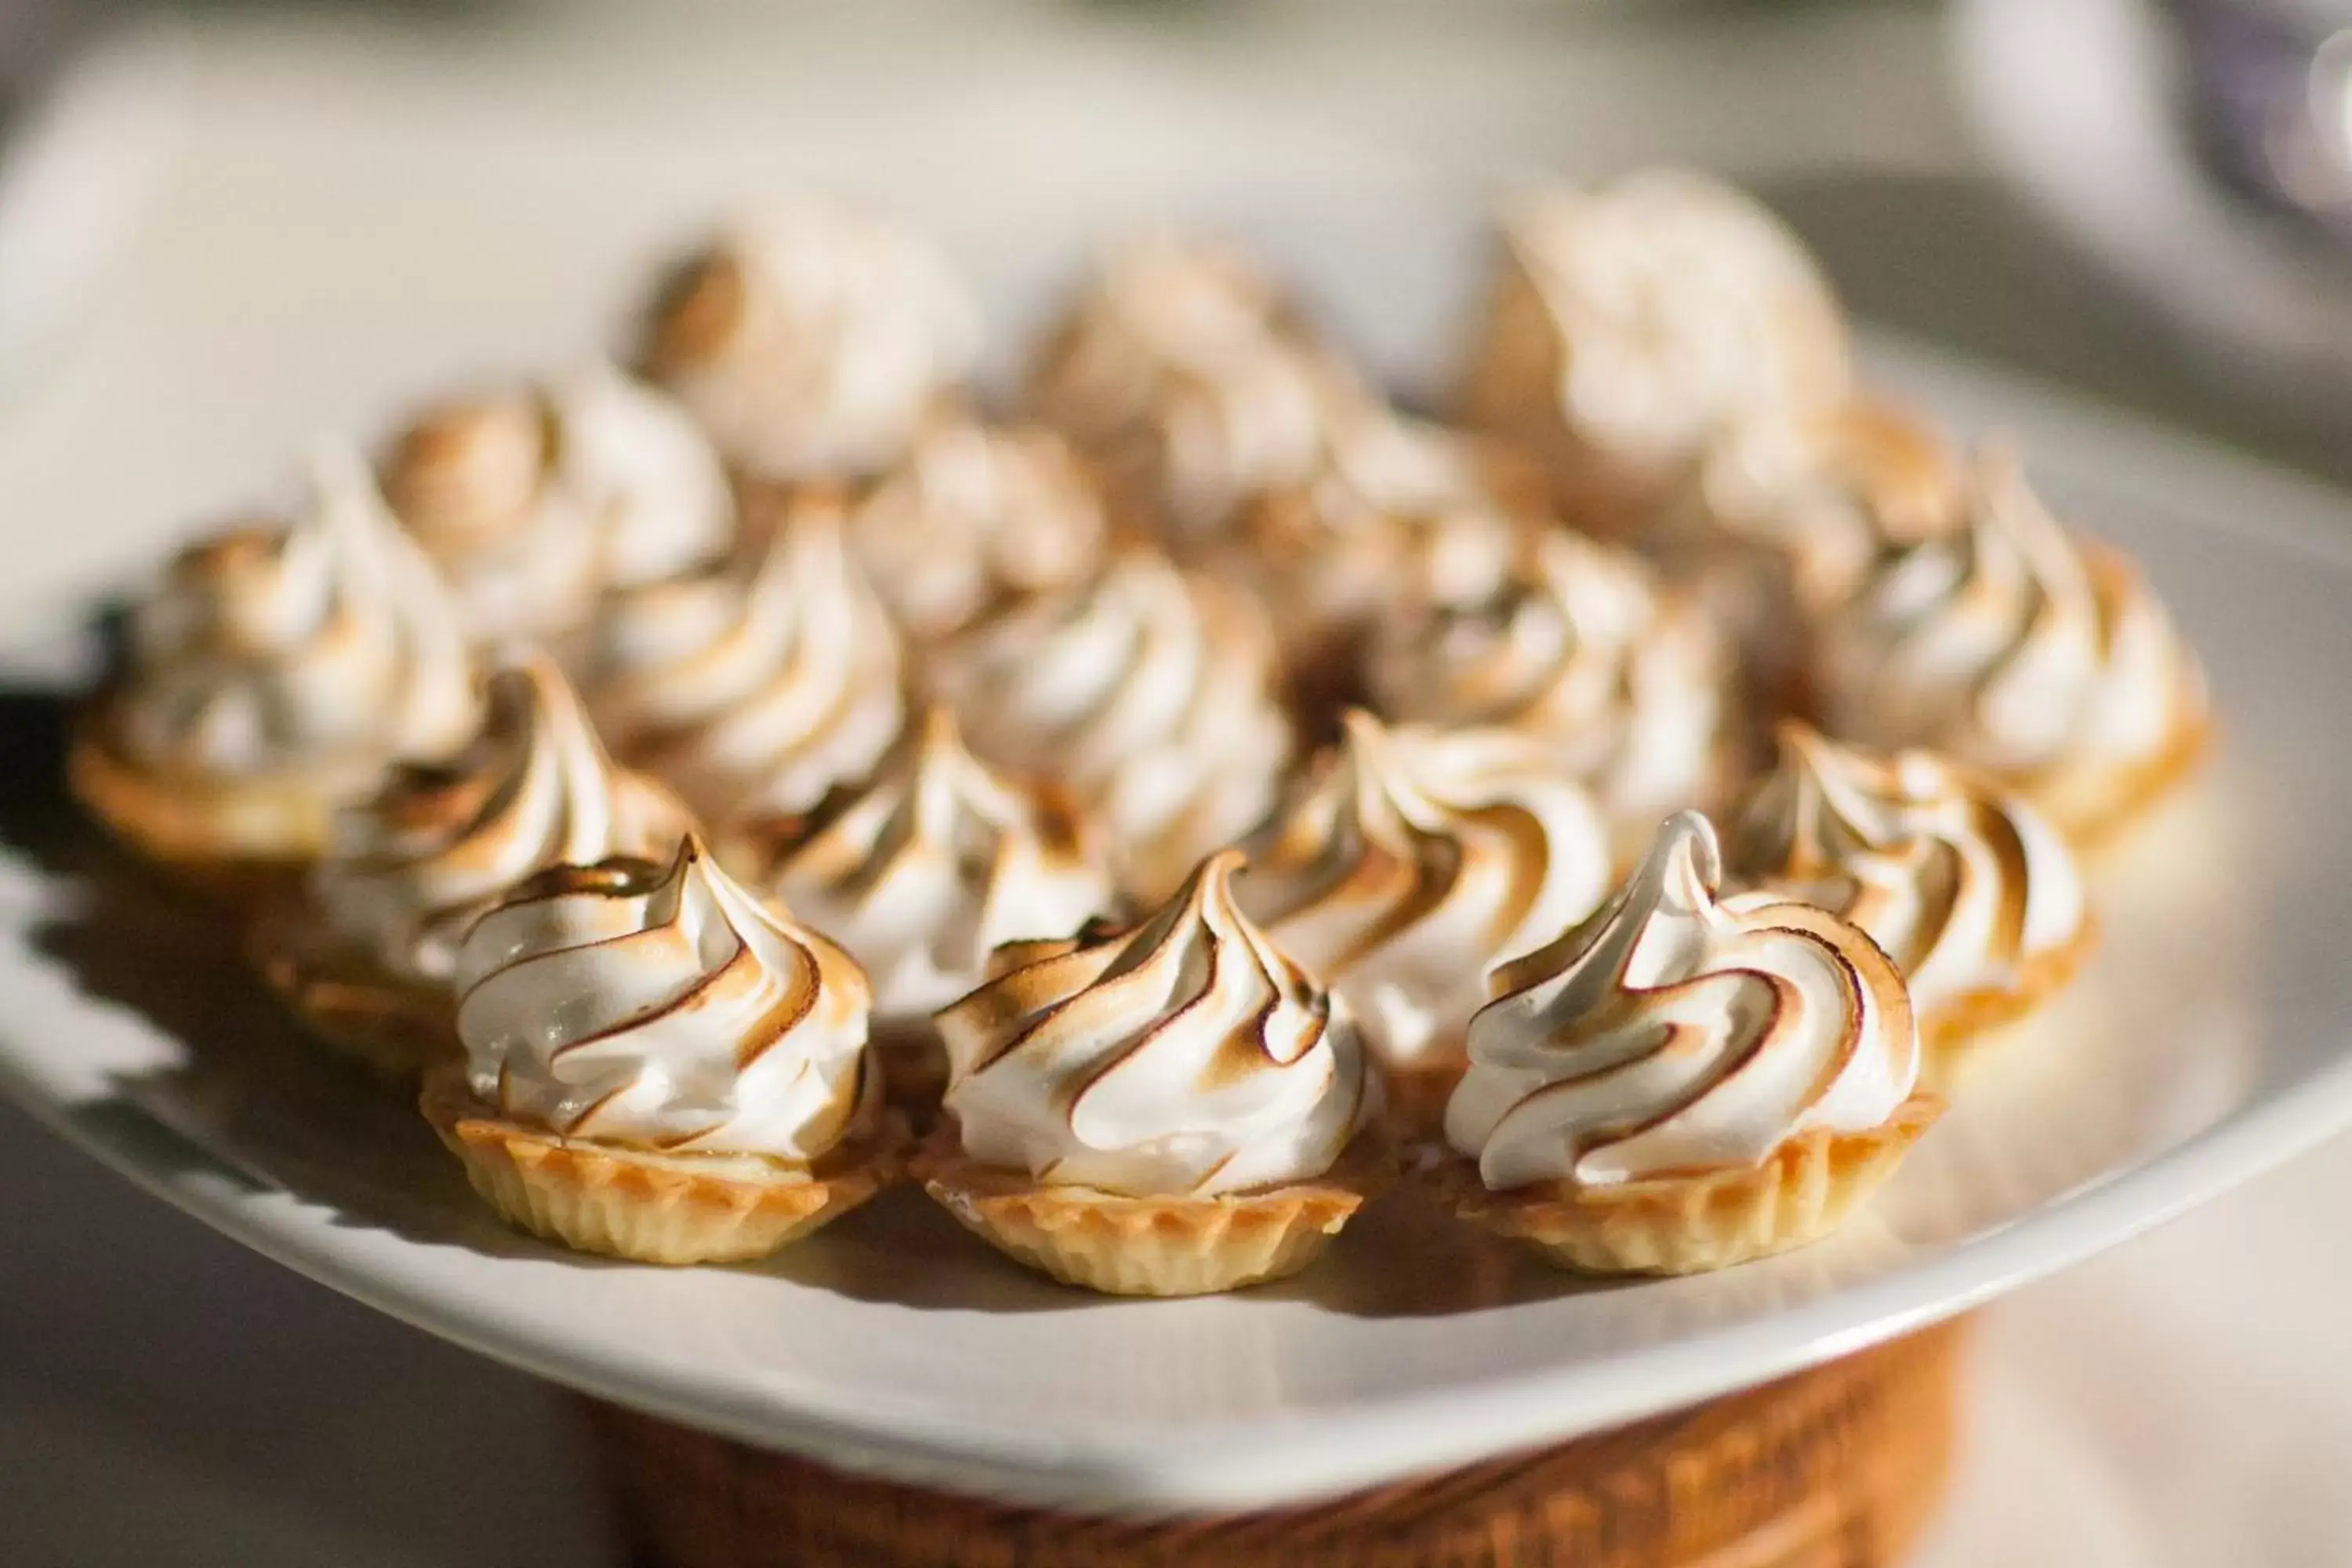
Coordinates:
698	306
644	1206
1706	1220
468	460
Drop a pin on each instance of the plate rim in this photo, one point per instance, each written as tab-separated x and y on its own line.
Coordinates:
1263	1462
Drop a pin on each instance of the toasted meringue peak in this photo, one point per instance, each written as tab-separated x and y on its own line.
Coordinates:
1628	324
937	859
1962	884
811	340
1675	1032
534	501
1185	1058
1410	860
757	683
2038	657
1821	492
1567	640
975	515
1327	553
1192	383
1149	691
658	1004
413	867
323	645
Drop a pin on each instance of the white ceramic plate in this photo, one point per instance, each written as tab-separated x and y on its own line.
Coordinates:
2211	1037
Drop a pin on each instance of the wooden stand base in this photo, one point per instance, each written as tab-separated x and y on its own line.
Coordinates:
1835	1467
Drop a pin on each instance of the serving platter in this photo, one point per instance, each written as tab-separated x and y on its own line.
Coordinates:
2211	1038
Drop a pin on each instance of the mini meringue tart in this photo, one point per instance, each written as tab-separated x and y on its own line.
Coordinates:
2039	657
1404	866
1573	642
757	683
659	1066
1324	555
975	515
1153	693
1191	382
366	955
1172	1110
1975	897
922	872
534	501
811	340
1783	518
272	677
1685	1082
1625	325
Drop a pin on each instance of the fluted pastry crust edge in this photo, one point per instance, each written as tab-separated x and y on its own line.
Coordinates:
1951	1035
1124	1246
239	841
341	996
1689	1224
647	1207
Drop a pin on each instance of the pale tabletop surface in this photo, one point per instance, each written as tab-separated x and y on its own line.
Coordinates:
166	1398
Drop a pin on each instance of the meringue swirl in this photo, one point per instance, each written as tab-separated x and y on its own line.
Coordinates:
535	501
1148	690
1325	554
1819	493
1673	1033
664	1008
812	340
411	869
1191	382
1570	641
1962	885
1628	324
757	683
973	516
1414	859
933	862
2042	658
324	646
1187	1057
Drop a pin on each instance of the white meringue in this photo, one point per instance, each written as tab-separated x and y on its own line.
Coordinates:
664	1009
1185	1058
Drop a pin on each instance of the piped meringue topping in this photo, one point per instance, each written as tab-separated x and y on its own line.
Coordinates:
812	340
663	1007
1186	1057
1628	324
1411	861
1327	555
757	683
973	516
2011	646
1192	383
1567	640
1676	1033
326	645
1962	885
1148	690
936	860
535	501
412	869
1820	492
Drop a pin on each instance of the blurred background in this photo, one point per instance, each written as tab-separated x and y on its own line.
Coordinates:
2147	203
